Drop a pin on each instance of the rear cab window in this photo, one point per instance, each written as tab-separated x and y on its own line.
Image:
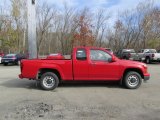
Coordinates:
81	54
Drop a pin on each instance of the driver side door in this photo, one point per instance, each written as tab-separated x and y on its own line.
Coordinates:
101	68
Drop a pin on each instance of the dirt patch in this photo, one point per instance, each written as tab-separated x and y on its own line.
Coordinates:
30	111
40	111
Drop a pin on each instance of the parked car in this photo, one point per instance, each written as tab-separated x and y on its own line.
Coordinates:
86	64
55	56
129	54
1	55
12	58
150	55
158	51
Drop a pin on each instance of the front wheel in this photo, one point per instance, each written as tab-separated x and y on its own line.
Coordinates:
5	64
148	60
49	81
124	57
132	80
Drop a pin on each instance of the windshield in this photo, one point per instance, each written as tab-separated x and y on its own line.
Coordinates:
153	51
129	51
108	49
9	55
150	51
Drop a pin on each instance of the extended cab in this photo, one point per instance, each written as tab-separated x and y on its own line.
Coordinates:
150	55
129	54
86	64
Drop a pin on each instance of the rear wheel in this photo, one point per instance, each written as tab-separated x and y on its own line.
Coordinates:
124	57
5	64
132	80
49	81
148	60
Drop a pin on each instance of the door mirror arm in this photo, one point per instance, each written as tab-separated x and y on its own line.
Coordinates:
113	59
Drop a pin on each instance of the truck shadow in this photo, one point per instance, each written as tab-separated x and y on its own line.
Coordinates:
9	65
90	84
17	83
30	84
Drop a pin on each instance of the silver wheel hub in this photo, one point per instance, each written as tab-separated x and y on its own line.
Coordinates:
133	80
48	81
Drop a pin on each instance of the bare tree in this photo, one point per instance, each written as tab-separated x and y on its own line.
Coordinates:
100	25
45	15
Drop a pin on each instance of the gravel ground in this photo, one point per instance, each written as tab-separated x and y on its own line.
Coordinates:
23	100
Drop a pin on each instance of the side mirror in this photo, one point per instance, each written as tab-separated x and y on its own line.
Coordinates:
113	59
109	59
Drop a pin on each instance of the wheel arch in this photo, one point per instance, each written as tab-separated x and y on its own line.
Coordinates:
41	71
146	57
134	70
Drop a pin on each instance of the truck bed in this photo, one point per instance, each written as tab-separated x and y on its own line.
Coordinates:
36	65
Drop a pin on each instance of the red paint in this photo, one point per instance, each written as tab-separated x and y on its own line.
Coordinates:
88	69
57	56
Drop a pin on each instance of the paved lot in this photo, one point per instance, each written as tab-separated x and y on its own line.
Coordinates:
22	100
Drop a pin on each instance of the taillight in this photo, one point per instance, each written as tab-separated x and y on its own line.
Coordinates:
129	55
153	55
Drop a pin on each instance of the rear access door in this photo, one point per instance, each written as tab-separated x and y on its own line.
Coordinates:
80	64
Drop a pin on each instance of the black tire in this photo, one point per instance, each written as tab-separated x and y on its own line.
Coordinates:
5	64
124	57
49	81
148	61
132	80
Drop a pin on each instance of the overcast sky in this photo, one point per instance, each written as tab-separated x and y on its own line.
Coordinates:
112	6
94	4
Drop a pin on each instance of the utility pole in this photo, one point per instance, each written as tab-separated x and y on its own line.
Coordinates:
32	42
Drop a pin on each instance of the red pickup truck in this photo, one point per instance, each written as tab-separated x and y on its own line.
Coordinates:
86	64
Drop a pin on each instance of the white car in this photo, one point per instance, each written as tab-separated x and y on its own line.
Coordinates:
0	59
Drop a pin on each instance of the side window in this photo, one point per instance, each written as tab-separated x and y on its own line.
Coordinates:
81	54
99	55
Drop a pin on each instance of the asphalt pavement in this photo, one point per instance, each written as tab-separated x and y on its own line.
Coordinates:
24	100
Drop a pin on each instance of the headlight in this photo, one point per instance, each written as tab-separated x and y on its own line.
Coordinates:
145	68
144	65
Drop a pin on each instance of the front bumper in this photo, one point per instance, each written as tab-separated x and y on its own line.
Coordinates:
8	61
156	59
146	77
